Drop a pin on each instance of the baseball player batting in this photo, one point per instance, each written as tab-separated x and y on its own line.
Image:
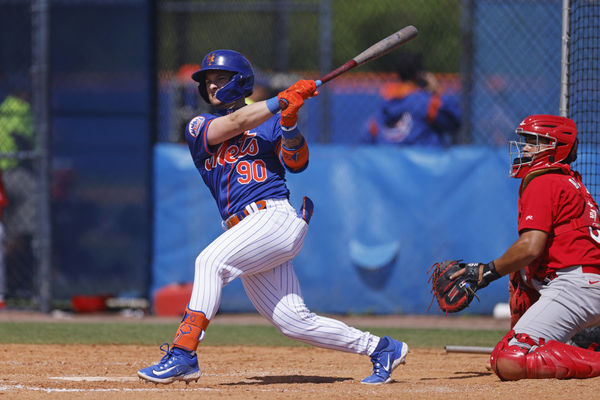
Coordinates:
554	265
242	153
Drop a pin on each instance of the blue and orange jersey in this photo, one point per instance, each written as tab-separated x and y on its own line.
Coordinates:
241	170
410	115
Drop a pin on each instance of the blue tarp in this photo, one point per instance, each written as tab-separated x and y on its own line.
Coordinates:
402	208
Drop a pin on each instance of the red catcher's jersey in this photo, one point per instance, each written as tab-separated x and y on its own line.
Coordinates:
558	203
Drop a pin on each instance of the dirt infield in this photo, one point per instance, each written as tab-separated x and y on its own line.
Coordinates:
75	372
244	372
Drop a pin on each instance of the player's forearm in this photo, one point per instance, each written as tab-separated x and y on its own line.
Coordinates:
524	251
511	262
228	126
293	152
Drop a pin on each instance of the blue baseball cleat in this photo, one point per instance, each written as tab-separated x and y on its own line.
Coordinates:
176	365
387	356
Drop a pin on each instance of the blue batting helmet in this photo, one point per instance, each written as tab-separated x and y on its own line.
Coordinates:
242	82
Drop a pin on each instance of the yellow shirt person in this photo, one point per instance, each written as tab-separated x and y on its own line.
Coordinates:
16	126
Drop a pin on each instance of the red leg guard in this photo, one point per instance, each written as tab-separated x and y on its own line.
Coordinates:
502	344
549	360
190	330
559	360
508	362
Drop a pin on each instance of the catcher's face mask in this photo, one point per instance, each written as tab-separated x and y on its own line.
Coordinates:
530	150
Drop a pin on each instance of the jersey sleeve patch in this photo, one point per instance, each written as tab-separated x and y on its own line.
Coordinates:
195	126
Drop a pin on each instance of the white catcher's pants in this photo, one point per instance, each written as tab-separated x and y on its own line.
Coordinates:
568	304
260	250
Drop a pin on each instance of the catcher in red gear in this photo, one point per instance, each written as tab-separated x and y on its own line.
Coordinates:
554	265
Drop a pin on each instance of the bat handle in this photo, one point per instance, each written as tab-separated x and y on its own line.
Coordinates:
318	82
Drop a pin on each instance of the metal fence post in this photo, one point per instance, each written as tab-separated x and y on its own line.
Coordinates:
564	71
325	61
464	135
40	61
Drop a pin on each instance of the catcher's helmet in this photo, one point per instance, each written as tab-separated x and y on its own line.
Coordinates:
553	138
242	82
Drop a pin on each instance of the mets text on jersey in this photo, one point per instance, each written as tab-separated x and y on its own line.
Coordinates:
231	153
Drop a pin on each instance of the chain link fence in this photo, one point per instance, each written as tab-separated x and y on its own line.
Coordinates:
82	70
290	40
512	65
500	57
18	157
584	88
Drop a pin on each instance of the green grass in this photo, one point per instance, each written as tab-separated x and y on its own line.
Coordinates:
248	335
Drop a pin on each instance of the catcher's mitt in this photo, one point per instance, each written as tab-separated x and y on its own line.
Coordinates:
453	295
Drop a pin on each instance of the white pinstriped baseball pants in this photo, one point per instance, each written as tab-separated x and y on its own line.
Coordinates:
260	250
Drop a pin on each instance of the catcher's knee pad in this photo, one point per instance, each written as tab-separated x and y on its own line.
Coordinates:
502	344
550	359
191	330
508	362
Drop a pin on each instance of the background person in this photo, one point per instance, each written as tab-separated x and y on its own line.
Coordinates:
17	183
413	110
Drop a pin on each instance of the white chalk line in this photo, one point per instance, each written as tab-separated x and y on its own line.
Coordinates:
95	378
154	388
159	388
135	378
69	390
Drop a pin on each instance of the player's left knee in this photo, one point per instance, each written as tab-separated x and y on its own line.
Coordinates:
508	362
205	264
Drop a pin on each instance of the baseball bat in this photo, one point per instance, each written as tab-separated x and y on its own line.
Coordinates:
375	51
468	349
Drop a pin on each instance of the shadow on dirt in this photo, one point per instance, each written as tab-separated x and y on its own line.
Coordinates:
270	380
461	375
